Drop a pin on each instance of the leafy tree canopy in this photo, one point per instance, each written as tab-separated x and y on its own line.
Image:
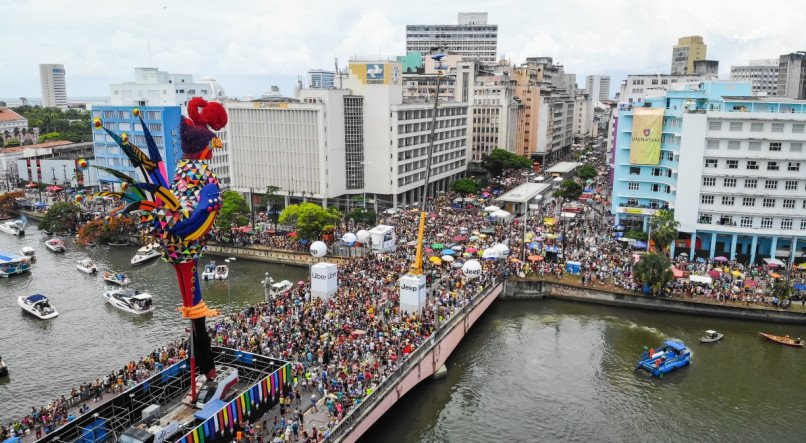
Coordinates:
61	217
466	186
664	228
569	189
655	270
586	172
500	159
309	219
234	210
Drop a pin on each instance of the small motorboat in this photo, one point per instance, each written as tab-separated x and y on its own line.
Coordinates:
119	278
13	227
221	272
129	300
38	306
29	252
711	337
672	355
86	266
55	245
784	340
281	287
3	368
12	264
146	253
209	271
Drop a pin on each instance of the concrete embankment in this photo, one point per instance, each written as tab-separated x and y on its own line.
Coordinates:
525	289
269	255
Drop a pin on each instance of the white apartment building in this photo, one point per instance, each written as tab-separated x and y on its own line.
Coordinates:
583	115
555	129
638	87
152	87
597	87
762	74
472	38
53	85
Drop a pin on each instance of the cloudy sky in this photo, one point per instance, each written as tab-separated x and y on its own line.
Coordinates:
249	45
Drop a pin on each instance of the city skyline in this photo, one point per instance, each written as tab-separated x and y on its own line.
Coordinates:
249	48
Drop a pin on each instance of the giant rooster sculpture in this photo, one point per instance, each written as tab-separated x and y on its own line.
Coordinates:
180	214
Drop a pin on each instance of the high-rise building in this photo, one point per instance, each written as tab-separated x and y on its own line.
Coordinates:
686	52
792	75
730	164
706	67
763	74
597	87
152	87
53	85
472	38
321	79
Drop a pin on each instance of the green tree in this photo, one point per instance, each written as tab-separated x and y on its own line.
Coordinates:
586	172
12	143
309	219
500	159
61	217
49	136
636	234
655	270
272	201
782	289
664	228
362	216
234	210
465	187
569	189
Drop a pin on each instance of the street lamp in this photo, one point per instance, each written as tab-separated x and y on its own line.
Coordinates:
229	293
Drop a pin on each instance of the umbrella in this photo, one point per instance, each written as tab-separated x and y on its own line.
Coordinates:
721	258
500	214
492	209
535	258
447	258
457	247
31	185
713	273
292	234
488	231
471	250
428	250
533	245
736	273
54	188
800	287
514	260
684	253
412	243
437	246
802	266
775	275
456	264
448	252
639	244
459	238
474	238
359	332
548	221
435	260
750	283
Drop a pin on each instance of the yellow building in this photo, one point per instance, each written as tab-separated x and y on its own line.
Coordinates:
687	50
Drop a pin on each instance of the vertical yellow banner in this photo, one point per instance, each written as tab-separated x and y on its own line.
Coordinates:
647	128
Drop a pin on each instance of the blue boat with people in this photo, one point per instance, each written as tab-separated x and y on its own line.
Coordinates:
672	355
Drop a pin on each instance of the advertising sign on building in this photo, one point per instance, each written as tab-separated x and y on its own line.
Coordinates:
412	293
647	127
324	280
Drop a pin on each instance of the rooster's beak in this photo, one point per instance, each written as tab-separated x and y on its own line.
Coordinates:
216	143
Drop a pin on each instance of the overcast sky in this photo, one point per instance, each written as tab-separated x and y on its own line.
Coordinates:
248	46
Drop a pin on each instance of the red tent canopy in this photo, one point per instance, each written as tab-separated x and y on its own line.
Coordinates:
54	188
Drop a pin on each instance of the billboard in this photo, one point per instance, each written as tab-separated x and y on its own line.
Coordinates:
647	129
382	73
324	280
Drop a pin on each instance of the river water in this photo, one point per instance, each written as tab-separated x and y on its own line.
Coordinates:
90	338
557	371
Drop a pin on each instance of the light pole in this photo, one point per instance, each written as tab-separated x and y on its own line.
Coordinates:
229	292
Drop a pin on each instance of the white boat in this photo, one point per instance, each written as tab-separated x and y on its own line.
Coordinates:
281	287
209	271
55	245
146	253
221	272
29	252
129	300
11	264
119	279
3	368
86	266
13	227
711	337
38	306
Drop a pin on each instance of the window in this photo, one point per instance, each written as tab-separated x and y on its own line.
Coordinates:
728	200
796	147
752	164
704	219
766	222
746	222
713	144
797	128
770	184
777	127
714	126
709	181
786	223
791	185
772	166
707	199
729	182
775	146
656	187
756	127
734	144
754	146
803	224
711	163
748	201
733	164
736	126
793	166
789	203
768	203
633	186
635	170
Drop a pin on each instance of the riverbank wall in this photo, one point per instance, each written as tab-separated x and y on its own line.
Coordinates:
421	364
531	289
269	255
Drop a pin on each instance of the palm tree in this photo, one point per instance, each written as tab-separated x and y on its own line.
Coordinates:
664	228
654	270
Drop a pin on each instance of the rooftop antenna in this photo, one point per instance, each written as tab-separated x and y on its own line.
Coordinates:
336	65
150	63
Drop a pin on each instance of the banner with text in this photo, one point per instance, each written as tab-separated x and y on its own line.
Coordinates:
647	129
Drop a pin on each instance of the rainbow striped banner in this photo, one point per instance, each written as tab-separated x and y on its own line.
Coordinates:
263	391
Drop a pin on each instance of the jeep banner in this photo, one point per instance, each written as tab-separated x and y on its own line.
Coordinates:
647	127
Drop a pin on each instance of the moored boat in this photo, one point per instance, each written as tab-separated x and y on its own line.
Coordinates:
29	252
55	245
281	287
3	368
86	266
38	306
209	271
221	272
711	337
119	278
146	253
13	227
129	300
12	264
672	355
784	340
